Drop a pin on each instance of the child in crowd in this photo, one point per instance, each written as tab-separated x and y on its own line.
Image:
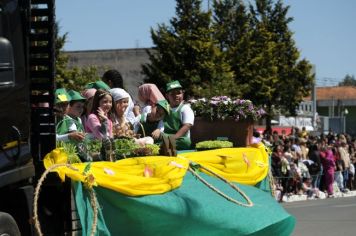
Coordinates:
99	123
113	79
153	122
149	95
154	110
308	189
62	99
61	103
88	94
122	127
181	117
71	121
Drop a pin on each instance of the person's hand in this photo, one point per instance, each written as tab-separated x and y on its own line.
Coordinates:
136	109
156	134
76	136
101	114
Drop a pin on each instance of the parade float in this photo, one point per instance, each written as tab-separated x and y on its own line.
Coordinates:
217	192
223	191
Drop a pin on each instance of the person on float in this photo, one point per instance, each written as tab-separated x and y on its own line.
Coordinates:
179	121
122	127
61	105
99	123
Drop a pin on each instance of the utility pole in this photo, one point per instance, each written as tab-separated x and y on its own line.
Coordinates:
314	99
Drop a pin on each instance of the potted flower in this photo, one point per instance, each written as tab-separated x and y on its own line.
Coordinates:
222	117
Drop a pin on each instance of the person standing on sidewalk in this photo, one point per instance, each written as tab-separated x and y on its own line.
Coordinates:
345	157
327	160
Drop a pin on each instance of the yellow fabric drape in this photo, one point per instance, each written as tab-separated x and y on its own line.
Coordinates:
159	174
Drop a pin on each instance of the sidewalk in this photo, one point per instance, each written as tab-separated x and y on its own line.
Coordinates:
322	195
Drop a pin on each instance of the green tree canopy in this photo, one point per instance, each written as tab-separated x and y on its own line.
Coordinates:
235	50
186	51
262	53
349	80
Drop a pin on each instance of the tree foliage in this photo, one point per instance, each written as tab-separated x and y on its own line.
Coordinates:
70	78
252	44
349	80
186	51
263	54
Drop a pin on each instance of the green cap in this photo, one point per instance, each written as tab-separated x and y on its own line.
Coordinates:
165	105
173	85
98	85
75	96
61	95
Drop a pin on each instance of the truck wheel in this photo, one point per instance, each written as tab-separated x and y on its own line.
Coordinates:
8	226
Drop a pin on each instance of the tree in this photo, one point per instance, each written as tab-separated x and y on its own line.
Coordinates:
74	78
233	33
186	51
266	60
349	80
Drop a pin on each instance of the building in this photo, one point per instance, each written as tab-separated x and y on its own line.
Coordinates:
127	61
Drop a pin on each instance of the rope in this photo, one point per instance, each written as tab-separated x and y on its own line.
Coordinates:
93	204
249	202
37	192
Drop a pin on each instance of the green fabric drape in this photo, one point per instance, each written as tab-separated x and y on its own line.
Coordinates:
192	209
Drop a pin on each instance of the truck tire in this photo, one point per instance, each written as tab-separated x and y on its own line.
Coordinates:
8	226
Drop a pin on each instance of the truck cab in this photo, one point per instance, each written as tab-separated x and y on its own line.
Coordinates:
27	123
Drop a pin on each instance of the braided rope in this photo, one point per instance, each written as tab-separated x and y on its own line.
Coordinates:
237	189
93	201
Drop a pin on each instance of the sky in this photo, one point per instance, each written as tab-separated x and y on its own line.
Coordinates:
324	30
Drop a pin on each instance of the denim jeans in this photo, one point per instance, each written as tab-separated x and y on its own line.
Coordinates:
317	178
339	180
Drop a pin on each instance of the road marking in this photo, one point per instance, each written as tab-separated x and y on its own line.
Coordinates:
347	205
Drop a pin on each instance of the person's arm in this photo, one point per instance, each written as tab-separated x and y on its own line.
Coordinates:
182	131
97	128
76	136
62	137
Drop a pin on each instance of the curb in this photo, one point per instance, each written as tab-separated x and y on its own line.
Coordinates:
322	195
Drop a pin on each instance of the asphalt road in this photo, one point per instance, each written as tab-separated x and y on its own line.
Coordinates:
324	217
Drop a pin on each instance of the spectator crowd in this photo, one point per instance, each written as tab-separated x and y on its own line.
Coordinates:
305	164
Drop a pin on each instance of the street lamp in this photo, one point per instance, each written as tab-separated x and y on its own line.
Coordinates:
343	115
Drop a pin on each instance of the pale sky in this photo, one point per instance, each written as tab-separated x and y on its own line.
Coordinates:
324	30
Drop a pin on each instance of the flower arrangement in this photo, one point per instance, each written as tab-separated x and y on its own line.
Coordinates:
222	107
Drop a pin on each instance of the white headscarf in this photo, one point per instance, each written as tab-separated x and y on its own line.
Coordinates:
118	94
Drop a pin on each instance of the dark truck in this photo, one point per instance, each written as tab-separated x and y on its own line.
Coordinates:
27	121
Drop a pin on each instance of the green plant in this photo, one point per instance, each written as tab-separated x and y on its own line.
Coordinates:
93	146
71	151
222	107
124	147
154	149
213	144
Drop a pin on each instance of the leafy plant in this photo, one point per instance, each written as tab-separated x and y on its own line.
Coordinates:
222	107
213	144
93	146
124	147
71	151
128	148
154	149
